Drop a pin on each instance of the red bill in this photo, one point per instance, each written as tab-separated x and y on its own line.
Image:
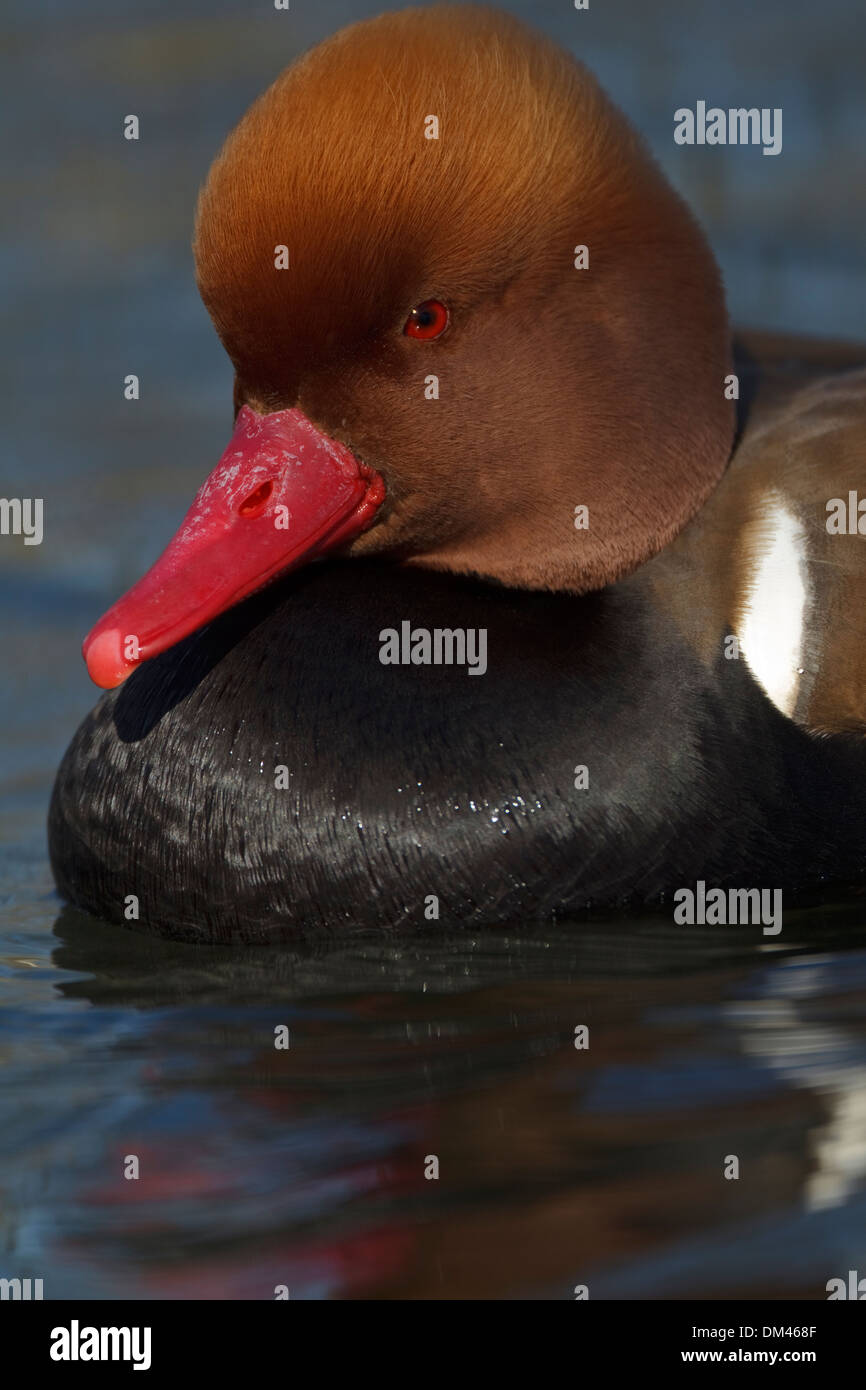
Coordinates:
282	494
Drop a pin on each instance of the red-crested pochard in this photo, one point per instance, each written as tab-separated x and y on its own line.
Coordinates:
482	363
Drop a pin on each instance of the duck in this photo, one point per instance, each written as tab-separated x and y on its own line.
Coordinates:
484	383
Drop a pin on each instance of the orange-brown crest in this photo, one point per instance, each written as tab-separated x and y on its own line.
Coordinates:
557	386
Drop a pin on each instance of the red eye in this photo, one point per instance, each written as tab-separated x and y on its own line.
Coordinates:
428	320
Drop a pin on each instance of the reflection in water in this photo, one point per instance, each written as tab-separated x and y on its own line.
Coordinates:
829	1060
558	1166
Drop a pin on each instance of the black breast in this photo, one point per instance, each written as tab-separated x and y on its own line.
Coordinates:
407	782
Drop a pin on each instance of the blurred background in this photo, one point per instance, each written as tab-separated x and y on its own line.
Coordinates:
305	1167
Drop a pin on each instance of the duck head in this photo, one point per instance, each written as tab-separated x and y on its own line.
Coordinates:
426	366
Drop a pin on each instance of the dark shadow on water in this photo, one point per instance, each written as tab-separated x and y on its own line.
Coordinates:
144	971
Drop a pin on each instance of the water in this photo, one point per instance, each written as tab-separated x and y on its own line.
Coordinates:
558	1166
306	1167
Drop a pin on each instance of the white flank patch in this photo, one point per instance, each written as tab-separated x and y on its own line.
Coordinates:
772	628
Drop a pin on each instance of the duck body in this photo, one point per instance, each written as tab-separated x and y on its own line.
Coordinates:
428	392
